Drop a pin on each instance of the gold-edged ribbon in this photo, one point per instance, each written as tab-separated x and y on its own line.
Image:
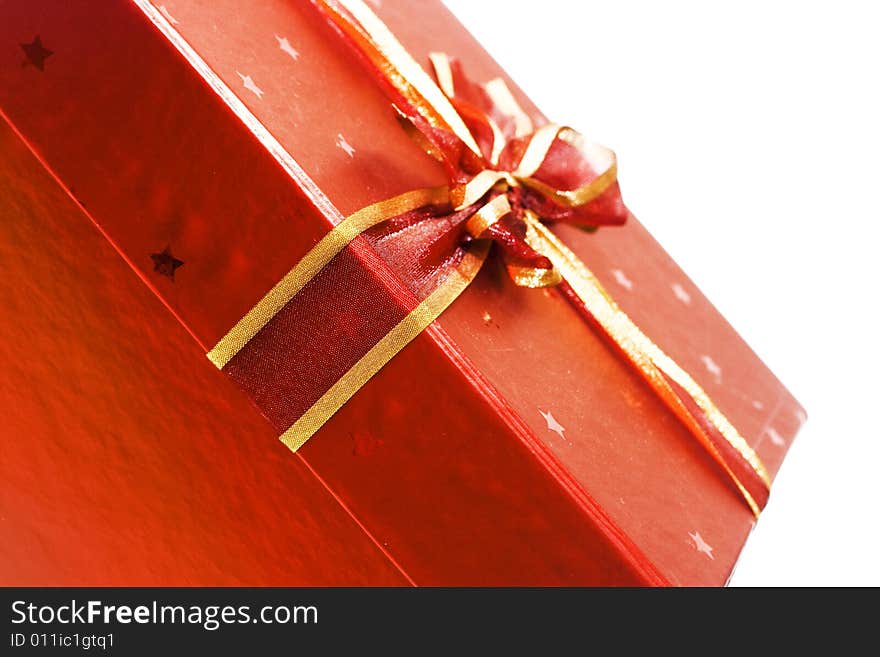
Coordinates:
485	191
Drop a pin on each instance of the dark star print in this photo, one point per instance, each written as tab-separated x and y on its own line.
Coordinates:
165	263
36	53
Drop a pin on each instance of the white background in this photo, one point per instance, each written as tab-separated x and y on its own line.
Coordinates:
748	141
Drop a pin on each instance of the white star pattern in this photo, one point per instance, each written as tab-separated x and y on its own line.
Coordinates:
701	545
167	15
681	294
775	438
344	145
552	424
712	367
284	44
621	278
250	85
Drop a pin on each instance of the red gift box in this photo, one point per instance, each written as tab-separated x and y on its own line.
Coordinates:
507	444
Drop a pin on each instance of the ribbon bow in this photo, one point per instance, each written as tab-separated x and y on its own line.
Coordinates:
507	180
507	176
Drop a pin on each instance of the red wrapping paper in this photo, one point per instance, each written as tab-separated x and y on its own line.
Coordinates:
113	422
507	444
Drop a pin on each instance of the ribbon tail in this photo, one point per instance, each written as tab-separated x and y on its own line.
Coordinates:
314	261
416	321
388	347
678	390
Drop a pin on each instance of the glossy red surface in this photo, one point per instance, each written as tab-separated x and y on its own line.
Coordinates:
445	456
126	459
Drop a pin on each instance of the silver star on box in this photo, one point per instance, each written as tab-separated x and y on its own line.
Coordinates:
552	423
284	44
342	143
701	545
250	85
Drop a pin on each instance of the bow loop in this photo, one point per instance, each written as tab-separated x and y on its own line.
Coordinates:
564	176
552	172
